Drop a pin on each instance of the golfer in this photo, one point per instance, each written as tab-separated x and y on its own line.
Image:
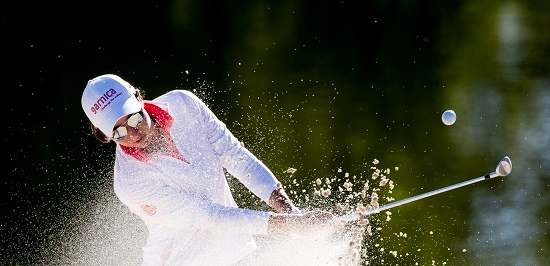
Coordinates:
171	154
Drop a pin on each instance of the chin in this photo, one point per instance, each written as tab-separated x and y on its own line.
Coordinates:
144	142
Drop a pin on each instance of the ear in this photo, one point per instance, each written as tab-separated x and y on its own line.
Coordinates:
99	135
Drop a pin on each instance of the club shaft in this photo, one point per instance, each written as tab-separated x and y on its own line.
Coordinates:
354	216
428	194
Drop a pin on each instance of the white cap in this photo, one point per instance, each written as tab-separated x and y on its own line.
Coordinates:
106	99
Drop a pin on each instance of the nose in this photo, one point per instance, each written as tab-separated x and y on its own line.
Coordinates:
133	133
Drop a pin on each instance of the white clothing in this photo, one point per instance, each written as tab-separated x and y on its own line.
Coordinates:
187	205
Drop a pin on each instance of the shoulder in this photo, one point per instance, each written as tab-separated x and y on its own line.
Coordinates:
178	95
179	100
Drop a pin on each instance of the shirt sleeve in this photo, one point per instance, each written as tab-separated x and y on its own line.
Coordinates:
158	203
234	157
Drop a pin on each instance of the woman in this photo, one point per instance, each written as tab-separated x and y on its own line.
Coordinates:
171	153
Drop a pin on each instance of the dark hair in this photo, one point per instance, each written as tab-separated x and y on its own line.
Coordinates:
99	135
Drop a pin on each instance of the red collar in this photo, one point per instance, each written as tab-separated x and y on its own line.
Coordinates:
165	120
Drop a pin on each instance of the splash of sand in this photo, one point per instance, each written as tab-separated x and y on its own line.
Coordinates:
108	234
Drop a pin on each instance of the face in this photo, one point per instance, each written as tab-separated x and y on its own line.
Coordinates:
137	137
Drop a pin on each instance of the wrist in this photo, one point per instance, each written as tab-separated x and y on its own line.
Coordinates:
280	201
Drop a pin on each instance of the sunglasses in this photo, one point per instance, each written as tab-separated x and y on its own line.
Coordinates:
120	132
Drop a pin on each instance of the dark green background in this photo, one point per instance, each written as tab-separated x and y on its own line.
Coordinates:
313	85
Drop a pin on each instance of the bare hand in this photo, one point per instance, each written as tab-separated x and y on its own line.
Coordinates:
280	201
300	223
317	217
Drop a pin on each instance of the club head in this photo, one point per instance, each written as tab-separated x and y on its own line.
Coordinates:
504	167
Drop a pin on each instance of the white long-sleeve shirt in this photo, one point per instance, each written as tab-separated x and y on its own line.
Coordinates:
184	199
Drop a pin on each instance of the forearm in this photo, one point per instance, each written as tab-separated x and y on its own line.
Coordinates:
249	170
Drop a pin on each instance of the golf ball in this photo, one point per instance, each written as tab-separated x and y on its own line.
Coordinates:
448	117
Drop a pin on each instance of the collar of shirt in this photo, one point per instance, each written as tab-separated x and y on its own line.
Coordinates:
160	113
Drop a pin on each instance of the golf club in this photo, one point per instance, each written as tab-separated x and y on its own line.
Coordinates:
504	168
